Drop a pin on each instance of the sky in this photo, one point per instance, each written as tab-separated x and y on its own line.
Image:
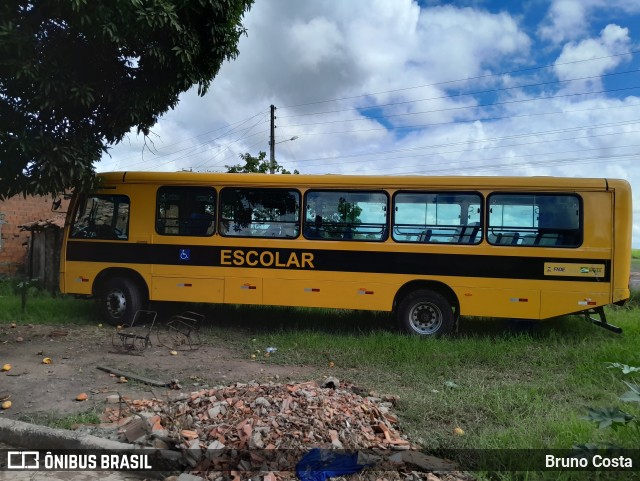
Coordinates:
383	87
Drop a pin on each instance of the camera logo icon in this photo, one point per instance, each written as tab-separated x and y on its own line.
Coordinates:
23	460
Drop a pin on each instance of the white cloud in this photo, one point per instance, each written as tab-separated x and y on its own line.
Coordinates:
316	42
459	43
570	64
298	54
569	19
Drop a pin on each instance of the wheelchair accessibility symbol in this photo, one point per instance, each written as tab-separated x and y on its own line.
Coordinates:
185	254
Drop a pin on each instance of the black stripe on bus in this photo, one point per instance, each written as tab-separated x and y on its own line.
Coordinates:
432	264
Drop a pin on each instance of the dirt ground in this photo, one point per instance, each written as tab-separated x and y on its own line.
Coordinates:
76	351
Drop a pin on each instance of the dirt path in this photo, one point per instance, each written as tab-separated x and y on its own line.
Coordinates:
76	351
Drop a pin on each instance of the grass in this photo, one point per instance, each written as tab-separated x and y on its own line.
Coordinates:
515	389
507	385
66	422
42	307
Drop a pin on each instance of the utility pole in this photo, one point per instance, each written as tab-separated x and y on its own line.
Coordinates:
272	141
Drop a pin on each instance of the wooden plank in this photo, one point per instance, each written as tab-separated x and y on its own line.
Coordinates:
128	375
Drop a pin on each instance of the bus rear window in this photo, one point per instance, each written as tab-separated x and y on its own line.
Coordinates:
535	220
437	217
104	217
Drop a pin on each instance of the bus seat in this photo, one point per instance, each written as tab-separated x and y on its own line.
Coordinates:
528	240
273	231
507	238
198	224
312	232
468	233
568	239
548	239
288	231
457	235
425	235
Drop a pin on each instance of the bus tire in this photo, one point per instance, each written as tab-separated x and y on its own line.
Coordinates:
120	298
426	313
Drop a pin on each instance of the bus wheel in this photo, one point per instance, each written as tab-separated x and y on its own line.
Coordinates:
119	300
426	313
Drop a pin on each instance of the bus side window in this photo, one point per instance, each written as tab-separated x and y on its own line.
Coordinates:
346	215
261	212
187	211
544	220
437	217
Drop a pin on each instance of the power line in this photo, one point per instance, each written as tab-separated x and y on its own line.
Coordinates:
529	69
447	152
522	156
191	150
235	141
448	109
234	126
493	139
223	148
478	92
581	160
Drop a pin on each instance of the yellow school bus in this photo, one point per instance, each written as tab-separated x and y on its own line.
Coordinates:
430	249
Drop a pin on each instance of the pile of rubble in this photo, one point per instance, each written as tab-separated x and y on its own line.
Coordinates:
267	428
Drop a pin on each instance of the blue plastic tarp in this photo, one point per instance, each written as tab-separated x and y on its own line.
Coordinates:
320	464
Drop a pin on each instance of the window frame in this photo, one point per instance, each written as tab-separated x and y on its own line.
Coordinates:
549	230
479	234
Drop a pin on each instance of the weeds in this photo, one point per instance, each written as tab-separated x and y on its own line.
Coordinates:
66	422
615	418
506	388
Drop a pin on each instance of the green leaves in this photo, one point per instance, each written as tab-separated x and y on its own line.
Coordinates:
614	417
77	76
258	165
608	417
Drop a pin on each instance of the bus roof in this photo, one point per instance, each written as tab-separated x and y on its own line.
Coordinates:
361	181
